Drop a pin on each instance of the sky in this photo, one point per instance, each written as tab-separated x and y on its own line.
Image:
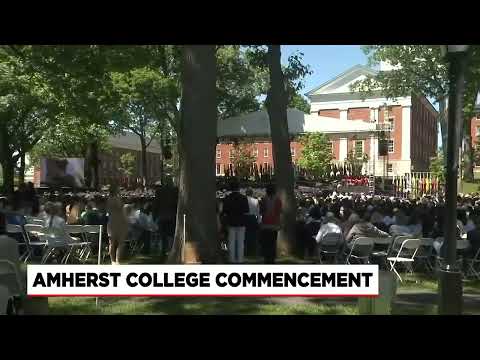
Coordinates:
326	61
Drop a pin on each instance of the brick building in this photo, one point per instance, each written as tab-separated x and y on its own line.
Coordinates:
475	126
337	111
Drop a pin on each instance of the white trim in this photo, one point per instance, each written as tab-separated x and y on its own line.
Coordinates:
315	106
342	153
343	115
393	146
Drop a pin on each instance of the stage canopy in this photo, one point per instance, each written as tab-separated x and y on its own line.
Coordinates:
257	124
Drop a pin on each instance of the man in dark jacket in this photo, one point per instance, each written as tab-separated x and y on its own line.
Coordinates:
235	209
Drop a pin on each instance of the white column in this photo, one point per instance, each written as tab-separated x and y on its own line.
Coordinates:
372	114
405	133
343	114
342	153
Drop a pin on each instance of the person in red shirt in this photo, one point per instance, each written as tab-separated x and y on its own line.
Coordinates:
271	211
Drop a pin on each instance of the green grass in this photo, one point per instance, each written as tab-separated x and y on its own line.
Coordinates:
469	187
190	306
415	296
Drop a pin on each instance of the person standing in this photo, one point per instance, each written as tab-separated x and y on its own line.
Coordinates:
235	208
117	227
270	210
252	219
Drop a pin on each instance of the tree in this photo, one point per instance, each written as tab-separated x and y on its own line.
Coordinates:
276	102
316	154
28	108
127	165
437	167
197	133
421	70
355	161
299	102
243	159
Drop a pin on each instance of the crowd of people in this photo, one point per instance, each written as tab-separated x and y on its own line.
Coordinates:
132	215
248	219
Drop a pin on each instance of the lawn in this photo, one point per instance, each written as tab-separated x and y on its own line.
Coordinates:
415	296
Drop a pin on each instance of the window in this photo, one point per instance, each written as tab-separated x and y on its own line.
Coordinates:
255	153
391	121
330	145
219	154
231	153
219	170
265	152
265	165
389	168
292	151
391	148
478	131
358	148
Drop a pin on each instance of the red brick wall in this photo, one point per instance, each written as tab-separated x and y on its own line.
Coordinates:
334	113
423	133
359	114
473	130
396	135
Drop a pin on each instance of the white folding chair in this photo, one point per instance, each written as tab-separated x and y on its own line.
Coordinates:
10	274
32	231
17	232
462	246
77	241
406	256
361	250
91	235
425	253
397	244
383	245
472	263
330	245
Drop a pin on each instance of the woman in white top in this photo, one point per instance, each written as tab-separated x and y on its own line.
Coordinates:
54	228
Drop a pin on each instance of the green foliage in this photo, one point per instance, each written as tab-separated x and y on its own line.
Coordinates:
243	159
355	161
316	153
437	167
127	163
300	103
70	139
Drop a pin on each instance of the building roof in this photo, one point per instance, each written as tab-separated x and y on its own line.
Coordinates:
131	141
353	72
257	124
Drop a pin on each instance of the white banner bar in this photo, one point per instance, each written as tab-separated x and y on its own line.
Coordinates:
202	280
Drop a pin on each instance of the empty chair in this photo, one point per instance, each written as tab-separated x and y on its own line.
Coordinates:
17	232
397	244
405	256
92	235
360	250
425	253
472	263
33	233
77	242
381	248
462	246
10	274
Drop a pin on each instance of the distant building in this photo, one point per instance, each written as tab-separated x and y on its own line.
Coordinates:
109	167
339	113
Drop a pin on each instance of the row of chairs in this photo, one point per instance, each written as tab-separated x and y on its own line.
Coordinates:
393	251
34	235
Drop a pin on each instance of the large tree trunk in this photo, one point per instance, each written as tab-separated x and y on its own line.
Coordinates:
21	170
197	135
8	173
92	175
442	119
277	103
143	155
468	154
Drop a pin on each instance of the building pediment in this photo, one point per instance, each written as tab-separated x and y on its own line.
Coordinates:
341	83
